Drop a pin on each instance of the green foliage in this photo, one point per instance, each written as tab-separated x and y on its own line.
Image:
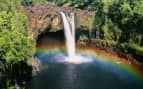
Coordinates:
15	44
9	84
137	48
32	2
27	2
5	5
124	47
111	31
119	21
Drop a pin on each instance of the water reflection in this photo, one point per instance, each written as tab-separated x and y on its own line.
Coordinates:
95	75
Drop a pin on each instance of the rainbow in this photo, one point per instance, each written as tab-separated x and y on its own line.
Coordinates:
123	64
120	63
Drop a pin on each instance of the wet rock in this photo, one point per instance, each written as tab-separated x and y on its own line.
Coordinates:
36	64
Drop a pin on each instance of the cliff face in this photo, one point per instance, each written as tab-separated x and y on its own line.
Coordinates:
43	16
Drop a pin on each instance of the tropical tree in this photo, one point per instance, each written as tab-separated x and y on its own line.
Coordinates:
15	44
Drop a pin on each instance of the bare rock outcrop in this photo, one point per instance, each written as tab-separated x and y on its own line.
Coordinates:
44	16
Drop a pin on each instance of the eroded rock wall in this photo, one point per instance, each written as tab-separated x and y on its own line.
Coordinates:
44	16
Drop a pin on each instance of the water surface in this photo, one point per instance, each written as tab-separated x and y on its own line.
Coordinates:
98	74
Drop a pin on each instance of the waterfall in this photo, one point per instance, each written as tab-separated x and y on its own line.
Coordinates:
69	31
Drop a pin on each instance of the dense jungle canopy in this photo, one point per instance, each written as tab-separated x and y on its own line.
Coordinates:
118	22
15	44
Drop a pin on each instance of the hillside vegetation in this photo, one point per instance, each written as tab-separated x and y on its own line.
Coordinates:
117	22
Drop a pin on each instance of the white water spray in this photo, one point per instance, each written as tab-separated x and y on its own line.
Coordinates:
69	28
69	31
